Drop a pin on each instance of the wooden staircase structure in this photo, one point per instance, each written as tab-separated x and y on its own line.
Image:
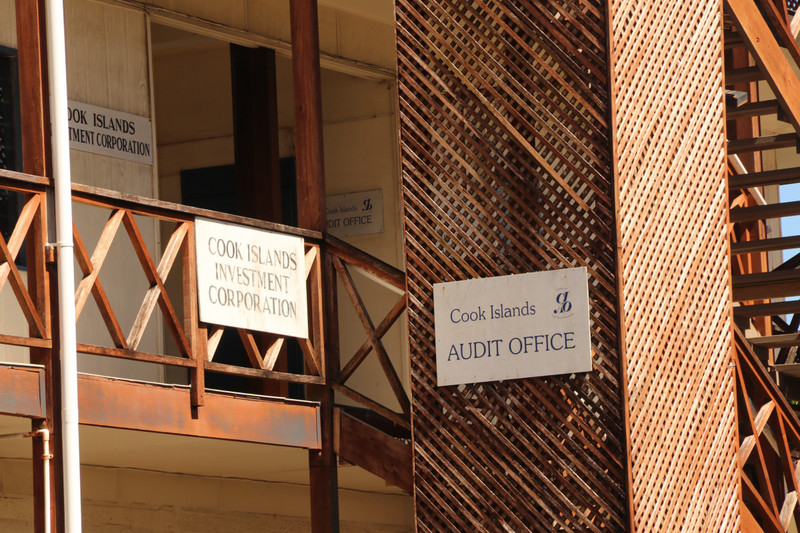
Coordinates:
761	46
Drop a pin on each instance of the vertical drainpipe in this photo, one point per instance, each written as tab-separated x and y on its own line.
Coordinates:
57	80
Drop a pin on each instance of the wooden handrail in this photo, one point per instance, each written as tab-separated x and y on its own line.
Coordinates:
362	260
13	180
168	210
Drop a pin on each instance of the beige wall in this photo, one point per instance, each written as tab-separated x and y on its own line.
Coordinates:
192	86
347	36
8	24
360	155
121	499
107	66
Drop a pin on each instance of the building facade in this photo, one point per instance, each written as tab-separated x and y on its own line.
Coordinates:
397	146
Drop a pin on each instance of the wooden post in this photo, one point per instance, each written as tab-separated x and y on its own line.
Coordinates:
35	137
33	105
312	215
308	115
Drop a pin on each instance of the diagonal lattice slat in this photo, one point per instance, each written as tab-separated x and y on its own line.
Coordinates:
507	169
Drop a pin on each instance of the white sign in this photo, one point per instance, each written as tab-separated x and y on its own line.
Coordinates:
107	132
356	213
510	327
251	279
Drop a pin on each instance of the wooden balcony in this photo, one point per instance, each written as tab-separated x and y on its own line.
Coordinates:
268	411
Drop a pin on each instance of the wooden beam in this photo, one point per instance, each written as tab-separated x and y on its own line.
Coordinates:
168	409
767	142
768	55
770	309
308	115
373	450
752	109
785	340
258	173
34	108
749	523
324	476
764	245
736	76
762	179
765	285
763	212
51	360
22	391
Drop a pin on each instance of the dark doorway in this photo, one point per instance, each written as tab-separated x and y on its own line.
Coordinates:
10	143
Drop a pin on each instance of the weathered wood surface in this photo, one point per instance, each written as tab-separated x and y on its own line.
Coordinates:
356	442
22	391
166	409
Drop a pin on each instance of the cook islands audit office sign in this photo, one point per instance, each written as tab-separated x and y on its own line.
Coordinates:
510	327
251	279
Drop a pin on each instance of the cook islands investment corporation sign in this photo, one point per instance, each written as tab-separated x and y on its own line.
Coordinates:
251	279
510	327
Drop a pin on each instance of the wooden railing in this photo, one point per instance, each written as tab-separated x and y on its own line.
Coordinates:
345	257
196	343
770	443
30	227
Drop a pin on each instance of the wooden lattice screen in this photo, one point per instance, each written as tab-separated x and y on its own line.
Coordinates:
675	284
507	169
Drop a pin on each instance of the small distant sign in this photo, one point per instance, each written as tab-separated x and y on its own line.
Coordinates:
113	133
357	213
511	327
251	279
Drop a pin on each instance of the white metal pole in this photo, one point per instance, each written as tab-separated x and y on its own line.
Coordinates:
59	122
